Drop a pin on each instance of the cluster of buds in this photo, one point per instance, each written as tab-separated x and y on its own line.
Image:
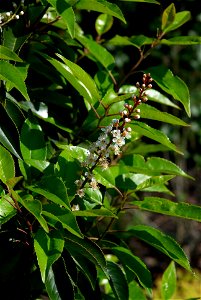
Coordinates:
112	138
7	16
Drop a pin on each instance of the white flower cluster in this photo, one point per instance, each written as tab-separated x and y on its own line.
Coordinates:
108	143
112	138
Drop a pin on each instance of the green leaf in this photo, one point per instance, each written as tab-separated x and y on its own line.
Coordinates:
7	166
78	78
98	51
6	53
144	1
103	23
7	210
153	166
180	19
156	96
32	142
153	134
102	212
35	208
182	40
62	215
135	292
135	41
167	207
64	9
12	75
168	282
150	112
53	189
51	286
117	281
168	16
137	182
173	85
48	249
101	6
135	265
162	242
85	247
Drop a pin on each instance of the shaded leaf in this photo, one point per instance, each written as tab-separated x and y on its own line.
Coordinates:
135	41
102	212
117	281
144	1
167	207
135	265
162	242
51	286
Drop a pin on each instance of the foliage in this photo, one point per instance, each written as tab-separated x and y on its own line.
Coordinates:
71	158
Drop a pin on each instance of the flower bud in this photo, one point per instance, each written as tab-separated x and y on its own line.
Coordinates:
136	117
149	86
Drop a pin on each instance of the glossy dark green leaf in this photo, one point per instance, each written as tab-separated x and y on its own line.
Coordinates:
48	249
35	208
153	134
64	9
14	112
99	52
162	242
171	84
12	75
169	282
85	247
101	6
32	141
135	265
87	268
53	189
64	216
167	207
182	40
7	54
7	210
78	78
51	286
103	23
168	16
7	166
117	281
180	19
150	112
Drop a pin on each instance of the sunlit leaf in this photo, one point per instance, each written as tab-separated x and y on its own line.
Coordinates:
7	166
168	282
101	6
168	16
7	54
167	207
103	23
